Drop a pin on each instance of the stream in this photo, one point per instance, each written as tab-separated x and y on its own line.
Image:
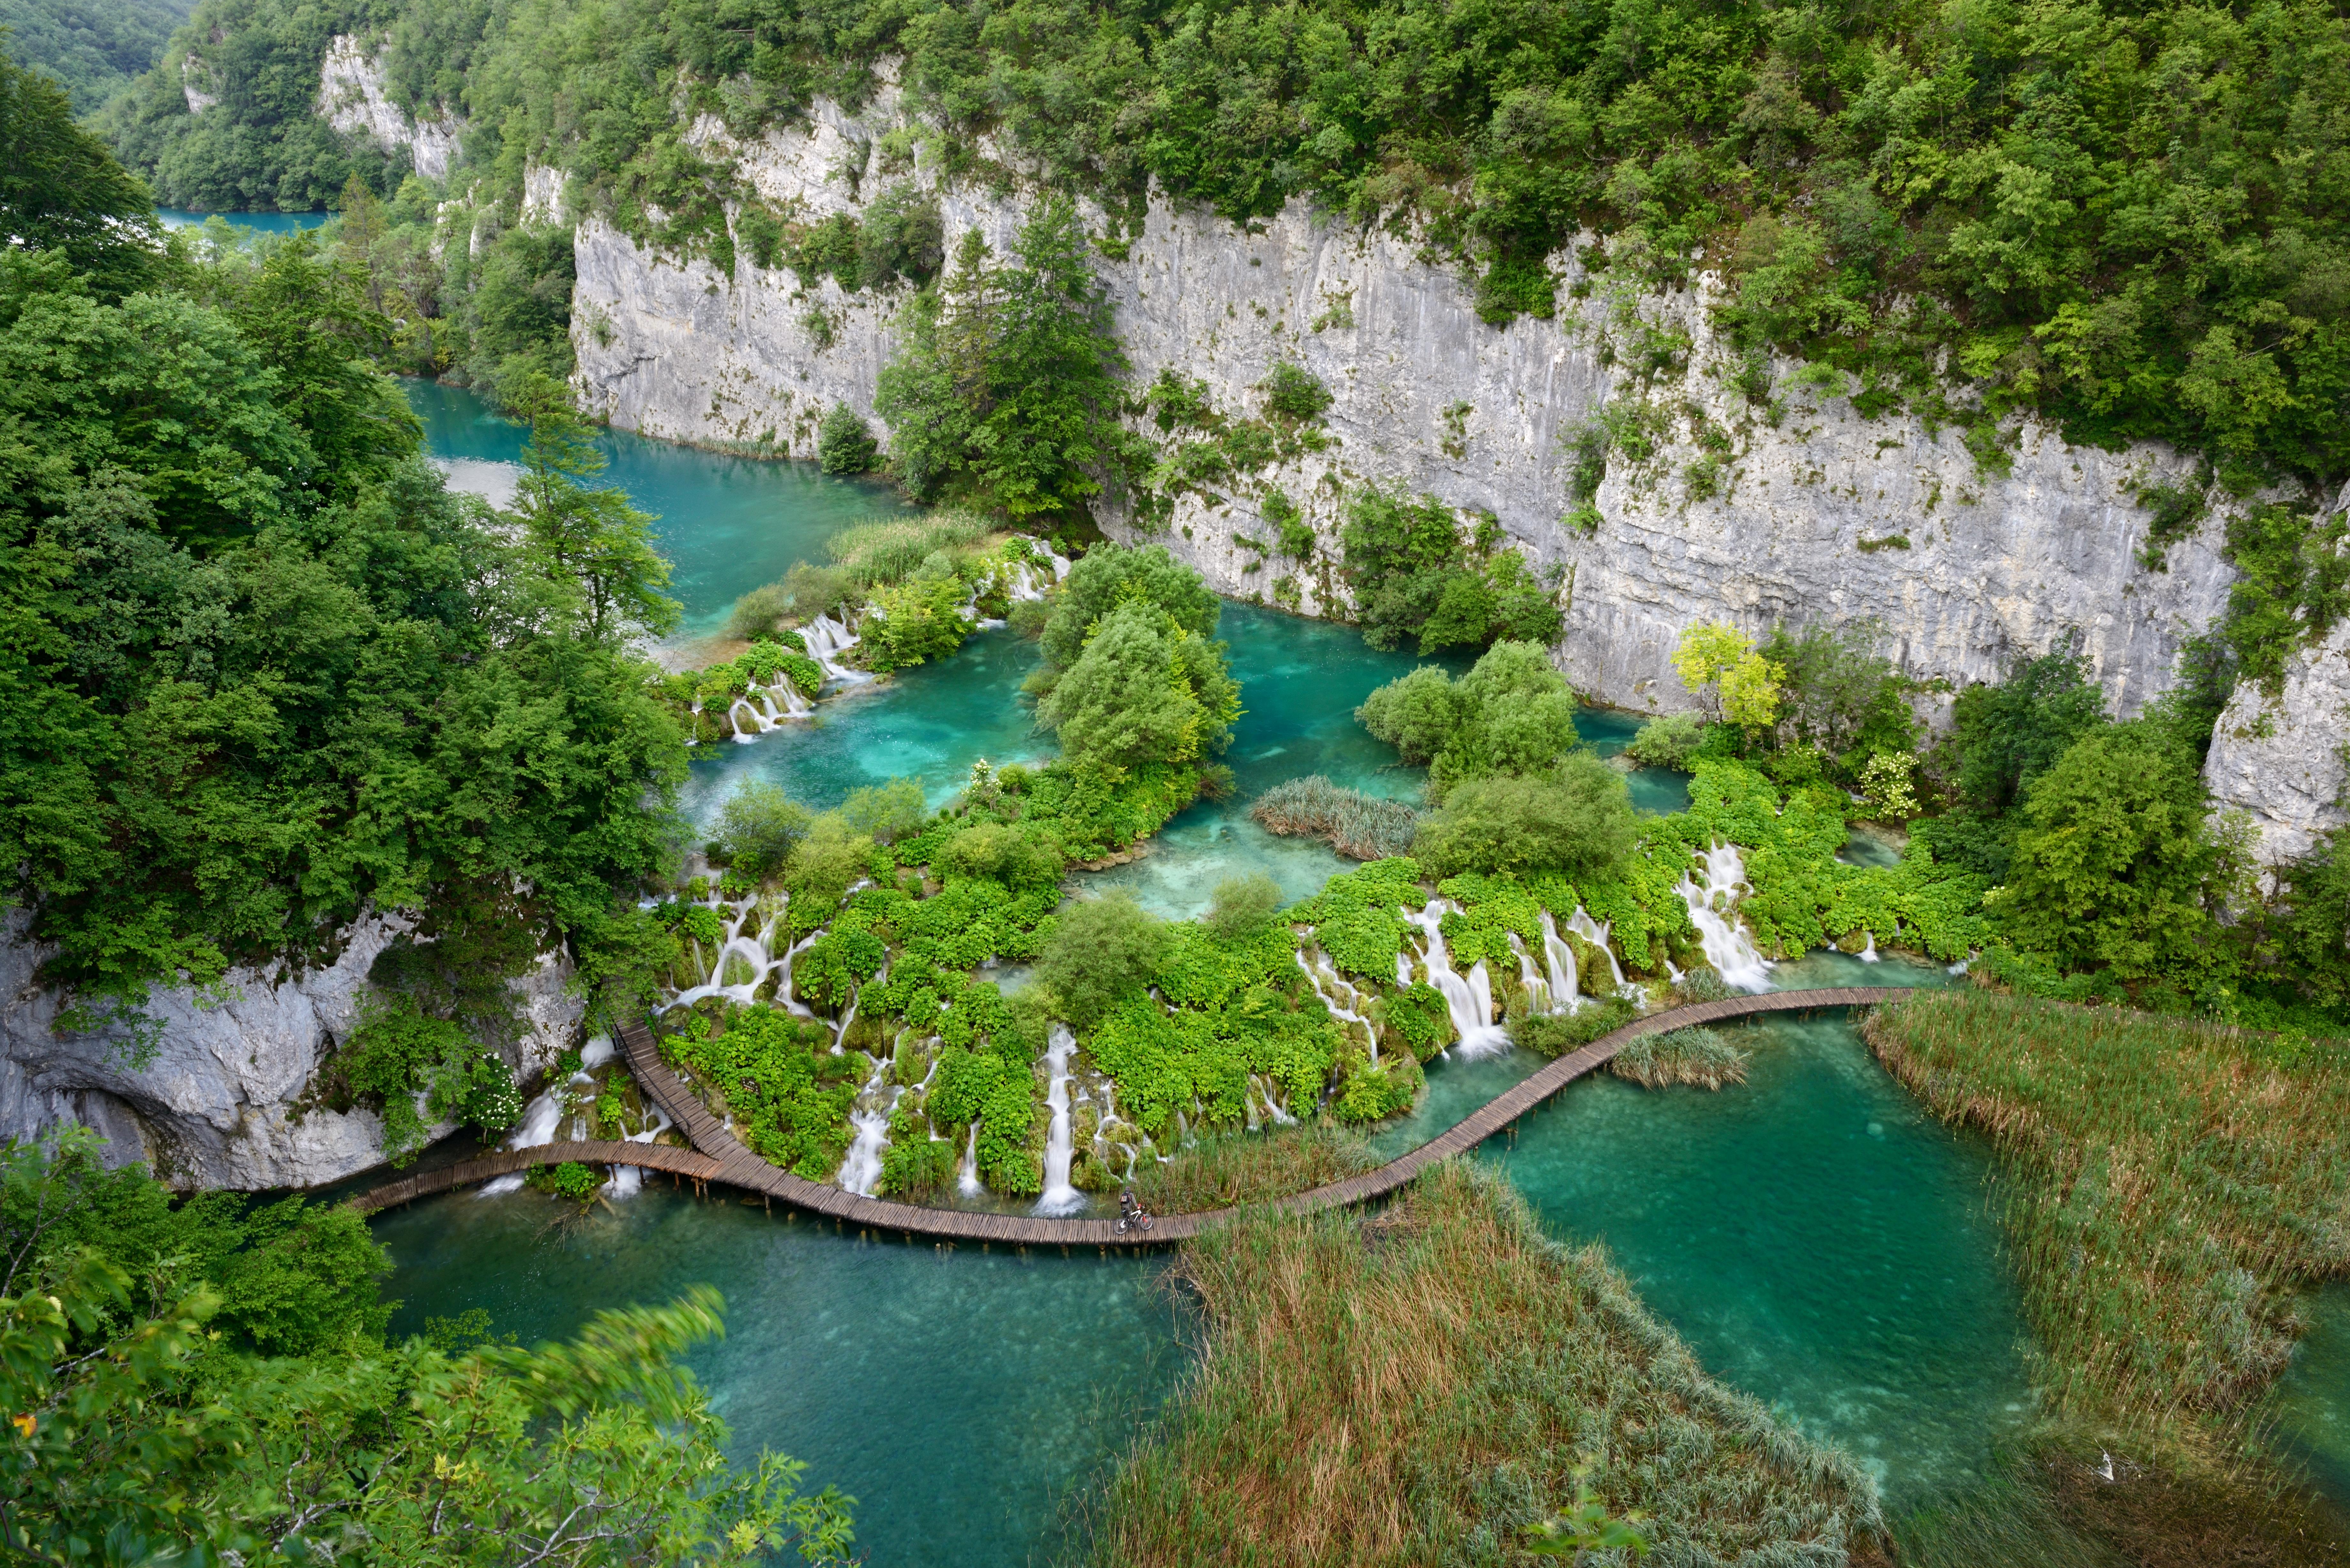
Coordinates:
1819	1243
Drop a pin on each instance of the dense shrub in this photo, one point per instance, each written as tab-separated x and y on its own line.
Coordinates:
1413	574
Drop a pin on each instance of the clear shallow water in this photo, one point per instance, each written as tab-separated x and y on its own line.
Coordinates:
2312	1403
265	223
728	524
958	1396
1818	1241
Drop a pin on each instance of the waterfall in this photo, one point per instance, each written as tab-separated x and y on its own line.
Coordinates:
1060	1198
1020	583
968	1182
1326	985
860	1172
1727	946
541	1120
627	1179
1061	565
752	951
1558	959
1592	931
826	638
1868	952
1469	1001
1538	994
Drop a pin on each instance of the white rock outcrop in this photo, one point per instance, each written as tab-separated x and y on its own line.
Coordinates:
2281	755
1798	508
225	1100
351	98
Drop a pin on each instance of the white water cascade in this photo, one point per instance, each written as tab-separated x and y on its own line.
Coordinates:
541	1120
1868	953
1468	999
1727	946
1060	1198
753	713
1328	985
1592	931
1558	962
860	1172
743	950
627	1179
827	639
968	1182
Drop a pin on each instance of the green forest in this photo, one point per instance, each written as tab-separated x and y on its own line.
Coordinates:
94	48
2129	219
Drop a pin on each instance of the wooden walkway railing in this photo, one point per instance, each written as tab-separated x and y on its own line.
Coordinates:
718	1156
649	1155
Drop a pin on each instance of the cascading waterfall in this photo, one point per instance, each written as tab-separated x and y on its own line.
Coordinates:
826	638
748	951
541	1120
1592	931
1469	1000
860	1172
1868	952
1558	962
968	1182
1326	984
753	713
1060	1198
627	1179
1727	946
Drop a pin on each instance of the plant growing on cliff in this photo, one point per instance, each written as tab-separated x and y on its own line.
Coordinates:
1006	385
1413	574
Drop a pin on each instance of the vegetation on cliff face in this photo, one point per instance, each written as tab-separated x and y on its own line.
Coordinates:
2129	220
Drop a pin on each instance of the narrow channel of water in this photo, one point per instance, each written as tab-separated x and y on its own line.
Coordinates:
2311	1407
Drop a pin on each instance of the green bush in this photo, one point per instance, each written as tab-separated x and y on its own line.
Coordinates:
1102	950
1668	741
844	443
398	1053
1293	392
1511	714
1575	819
760	827
1414	574
570	1180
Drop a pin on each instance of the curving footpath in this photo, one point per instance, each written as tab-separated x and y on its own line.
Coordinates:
718	1156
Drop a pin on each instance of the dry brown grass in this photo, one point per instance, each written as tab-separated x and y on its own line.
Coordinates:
1223	1169
1415	1386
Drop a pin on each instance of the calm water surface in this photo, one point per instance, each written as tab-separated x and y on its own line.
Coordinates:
1821	1243
728	524
264	223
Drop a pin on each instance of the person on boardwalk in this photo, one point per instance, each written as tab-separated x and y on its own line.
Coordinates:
1130	1213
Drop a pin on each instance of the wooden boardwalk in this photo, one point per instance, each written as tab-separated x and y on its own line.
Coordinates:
719	1156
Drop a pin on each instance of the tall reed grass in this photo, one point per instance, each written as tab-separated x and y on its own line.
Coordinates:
2169	1187
1415	1386
890	548
1221	1169
1360	826
1700	1058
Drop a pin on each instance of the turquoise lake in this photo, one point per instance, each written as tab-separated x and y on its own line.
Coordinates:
1819	1242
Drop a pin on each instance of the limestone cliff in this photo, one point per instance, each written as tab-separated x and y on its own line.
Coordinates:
2280	754
1809	512
224	1102
351	98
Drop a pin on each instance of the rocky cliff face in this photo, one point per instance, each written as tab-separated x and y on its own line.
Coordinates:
351	98
223	1102
2280	755
1795	508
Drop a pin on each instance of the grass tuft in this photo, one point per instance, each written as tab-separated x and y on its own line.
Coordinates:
1700	1058
1360	827
1221	1169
